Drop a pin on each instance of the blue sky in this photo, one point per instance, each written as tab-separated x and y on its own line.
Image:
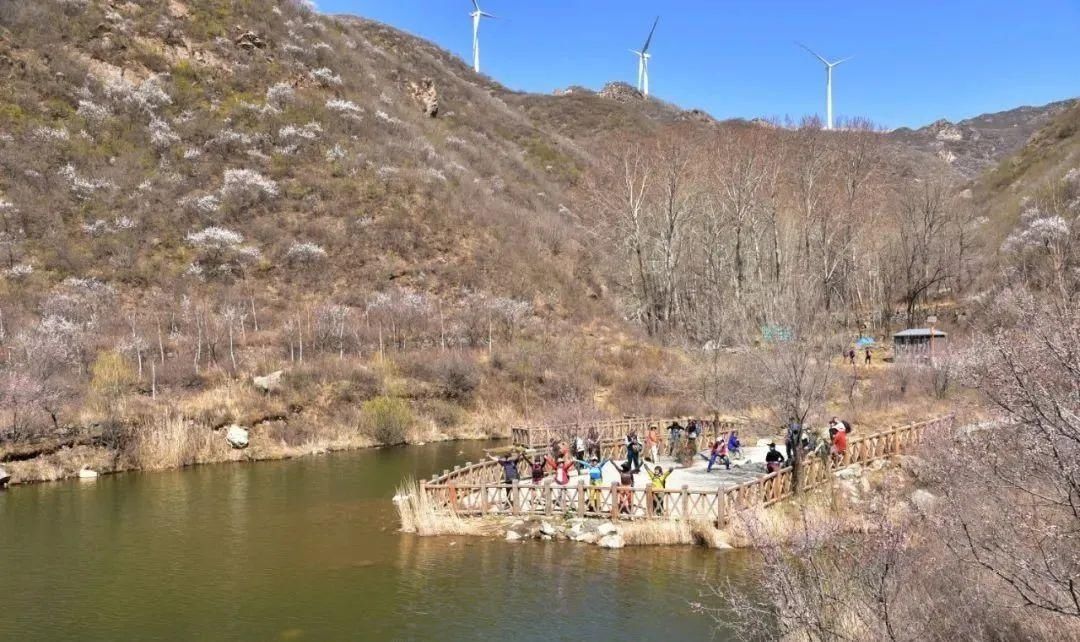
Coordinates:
914	61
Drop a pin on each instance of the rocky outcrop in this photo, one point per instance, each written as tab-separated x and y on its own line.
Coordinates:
620	92
249	40
972	145
946	131
5	477
425	93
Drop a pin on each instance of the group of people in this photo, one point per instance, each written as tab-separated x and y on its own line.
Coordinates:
564	463
831	444
583	454
850	356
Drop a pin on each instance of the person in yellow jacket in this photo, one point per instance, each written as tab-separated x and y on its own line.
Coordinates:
659	482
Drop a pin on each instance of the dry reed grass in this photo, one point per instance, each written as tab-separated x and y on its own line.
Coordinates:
167	440
673	533
62	464
417	515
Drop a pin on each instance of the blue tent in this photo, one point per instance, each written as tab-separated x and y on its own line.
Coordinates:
864	342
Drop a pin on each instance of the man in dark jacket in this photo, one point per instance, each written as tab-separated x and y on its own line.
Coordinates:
773	459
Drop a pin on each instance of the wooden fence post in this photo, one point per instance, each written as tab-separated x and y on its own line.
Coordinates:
515	497
484	506
721	508
649	494
615	500
685	496
547	499
580	498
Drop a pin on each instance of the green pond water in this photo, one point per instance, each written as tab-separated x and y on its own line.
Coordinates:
307	549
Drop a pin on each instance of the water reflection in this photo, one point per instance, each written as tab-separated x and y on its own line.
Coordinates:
308	549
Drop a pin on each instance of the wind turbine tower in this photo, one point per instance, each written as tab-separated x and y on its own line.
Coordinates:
643	61
828	82
477	14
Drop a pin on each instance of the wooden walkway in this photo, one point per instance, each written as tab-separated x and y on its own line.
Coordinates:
478	489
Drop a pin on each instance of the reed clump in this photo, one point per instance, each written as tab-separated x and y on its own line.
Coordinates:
418	515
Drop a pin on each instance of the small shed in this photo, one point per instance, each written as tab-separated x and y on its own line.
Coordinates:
916	341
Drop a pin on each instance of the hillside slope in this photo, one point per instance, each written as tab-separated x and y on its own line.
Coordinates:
196	192
974	145
1030	177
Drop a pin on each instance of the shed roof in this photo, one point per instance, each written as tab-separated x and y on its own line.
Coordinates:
919	332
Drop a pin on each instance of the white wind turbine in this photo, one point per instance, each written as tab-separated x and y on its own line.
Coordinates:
643	62
828	82
477	14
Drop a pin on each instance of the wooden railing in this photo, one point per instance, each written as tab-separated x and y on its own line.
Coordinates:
606	429
614	448
478	489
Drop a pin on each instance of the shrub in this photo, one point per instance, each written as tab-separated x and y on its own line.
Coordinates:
445	414
304	252
280	94
325	77
387	420
247	186
110	378
344	106
458	377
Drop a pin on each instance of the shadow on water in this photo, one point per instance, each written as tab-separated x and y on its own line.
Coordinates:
307	549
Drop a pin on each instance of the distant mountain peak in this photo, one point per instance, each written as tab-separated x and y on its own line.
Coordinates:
975	144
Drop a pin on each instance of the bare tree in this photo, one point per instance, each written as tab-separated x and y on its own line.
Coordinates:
920	253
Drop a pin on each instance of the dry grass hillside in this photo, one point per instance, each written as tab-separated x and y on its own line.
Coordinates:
197	192
1031	172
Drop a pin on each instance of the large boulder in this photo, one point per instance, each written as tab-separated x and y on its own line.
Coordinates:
547	529
924	500
86	473
512	536
5	477
912	464
237	436
611	541
270	382
605	529
850	472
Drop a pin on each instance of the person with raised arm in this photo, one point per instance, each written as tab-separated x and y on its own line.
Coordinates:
659	482
595	468
509	463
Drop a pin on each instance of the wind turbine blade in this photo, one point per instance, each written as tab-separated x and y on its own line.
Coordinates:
651	32
476	4
842	60
486	15
814	53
